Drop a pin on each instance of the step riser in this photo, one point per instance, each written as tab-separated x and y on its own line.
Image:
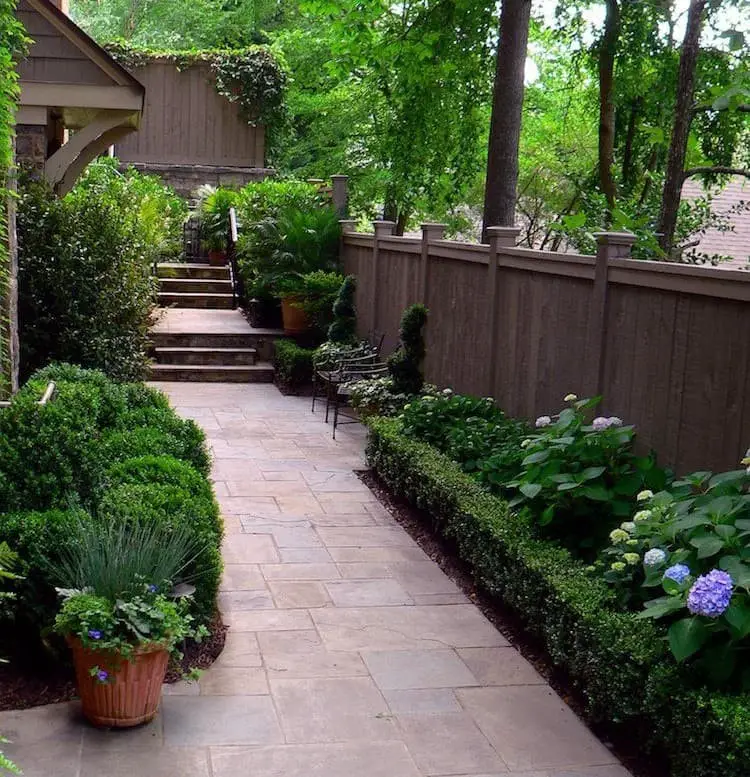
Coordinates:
213	376
197	357
205	272
179	285
213	301
263	344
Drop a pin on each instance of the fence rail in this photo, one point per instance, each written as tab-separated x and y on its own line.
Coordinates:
666	345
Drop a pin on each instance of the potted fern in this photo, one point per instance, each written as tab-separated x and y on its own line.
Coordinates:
121	615
213	210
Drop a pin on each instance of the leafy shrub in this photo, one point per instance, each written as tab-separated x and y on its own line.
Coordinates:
580	479
473	432
343	328
293	364
377	396
405	365
315	293
622	665
268	198
85	288
213	210
691	543
328	355
287	245
161	470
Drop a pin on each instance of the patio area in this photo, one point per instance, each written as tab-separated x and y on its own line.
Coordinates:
349	652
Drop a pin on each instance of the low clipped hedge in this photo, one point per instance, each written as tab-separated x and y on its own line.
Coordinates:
99	450
293	364
621	665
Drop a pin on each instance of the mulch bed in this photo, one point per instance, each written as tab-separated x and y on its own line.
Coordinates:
23	686
622	740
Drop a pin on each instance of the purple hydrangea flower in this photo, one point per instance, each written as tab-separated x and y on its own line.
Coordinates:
95	634
102	676
600	423
710	594
678	572
542	421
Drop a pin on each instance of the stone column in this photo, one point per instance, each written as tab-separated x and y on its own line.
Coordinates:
31	147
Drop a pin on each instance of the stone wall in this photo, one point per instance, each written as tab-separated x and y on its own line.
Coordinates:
31	146
185	179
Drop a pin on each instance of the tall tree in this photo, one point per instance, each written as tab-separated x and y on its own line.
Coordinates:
683	116
607	55
505	123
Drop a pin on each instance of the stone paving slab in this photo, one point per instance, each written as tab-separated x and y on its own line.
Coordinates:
349	652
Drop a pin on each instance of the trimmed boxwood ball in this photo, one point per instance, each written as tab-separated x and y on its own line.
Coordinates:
622	665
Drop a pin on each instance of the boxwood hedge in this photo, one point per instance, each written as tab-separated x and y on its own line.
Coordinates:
621	665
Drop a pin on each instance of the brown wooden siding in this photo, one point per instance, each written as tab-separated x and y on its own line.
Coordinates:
186	122
52	58
666	345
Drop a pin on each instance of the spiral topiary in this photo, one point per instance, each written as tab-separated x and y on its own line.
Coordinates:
405	365
343	329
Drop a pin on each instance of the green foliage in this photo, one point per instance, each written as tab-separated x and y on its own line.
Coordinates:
378	396
343	328
315	293
121	624
473	432
580	478
621	664
85	288
293	364
110	559
274	252
405	365
214	210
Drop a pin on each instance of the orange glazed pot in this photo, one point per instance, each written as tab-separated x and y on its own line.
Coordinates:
132	692
295	319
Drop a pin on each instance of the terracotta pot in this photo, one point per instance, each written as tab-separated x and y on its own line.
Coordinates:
295	319
217	258
131	694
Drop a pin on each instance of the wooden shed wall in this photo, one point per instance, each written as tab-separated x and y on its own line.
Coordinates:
186	122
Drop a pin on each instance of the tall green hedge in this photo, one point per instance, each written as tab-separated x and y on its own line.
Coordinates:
621	665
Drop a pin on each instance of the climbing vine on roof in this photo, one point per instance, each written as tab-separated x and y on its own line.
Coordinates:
253	77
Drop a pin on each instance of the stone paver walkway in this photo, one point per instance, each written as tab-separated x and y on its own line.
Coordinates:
349	654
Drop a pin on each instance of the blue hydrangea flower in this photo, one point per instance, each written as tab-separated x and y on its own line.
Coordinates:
654	557
677	572
102	676
153	589
710	594
95	634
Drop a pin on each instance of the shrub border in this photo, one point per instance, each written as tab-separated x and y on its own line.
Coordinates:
621	665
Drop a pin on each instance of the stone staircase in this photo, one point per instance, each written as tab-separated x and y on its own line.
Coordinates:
198	336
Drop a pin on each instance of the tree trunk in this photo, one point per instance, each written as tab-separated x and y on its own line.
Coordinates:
505	124
607	54
683	116
9	350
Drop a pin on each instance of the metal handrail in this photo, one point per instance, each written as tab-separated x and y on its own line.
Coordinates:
49	393
234	275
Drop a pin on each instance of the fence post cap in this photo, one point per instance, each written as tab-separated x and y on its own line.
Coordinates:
348	225
339	177
432	230
504	236
615	238
384	227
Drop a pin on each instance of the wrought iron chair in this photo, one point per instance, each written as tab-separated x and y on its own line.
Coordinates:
348	373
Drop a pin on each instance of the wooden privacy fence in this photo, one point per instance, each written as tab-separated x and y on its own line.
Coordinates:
665	344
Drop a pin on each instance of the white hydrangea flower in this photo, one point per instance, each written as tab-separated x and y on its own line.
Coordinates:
570	398
631	558
542	421
654	557
447	392
618	535
628	526
526	443
642	515
644	495
614	421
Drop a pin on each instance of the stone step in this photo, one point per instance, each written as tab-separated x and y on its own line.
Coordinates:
195	300
262	372
194	286
261	340
206	356
184	270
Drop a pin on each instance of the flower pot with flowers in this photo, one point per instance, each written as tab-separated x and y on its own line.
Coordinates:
122	617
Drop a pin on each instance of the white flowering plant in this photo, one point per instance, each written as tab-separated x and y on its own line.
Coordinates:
376	396
472	431
581	477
